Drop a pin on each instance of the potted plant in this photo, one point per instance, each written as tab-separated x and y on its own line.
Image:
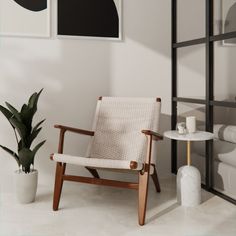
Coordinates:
26	178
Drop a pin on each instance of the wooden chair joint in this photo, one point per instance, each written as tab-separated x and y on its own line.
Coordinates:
133	165
155	135
145	169
51	156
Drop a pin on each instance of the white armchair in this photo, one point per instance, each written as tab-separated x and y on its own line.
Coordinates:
122	138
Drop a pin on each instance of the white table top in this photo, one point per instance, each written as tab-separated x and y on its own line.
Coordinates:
197	136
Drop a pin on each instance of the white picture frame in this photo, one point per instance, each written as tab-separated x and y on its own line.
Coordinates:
25	23
228	8
119	4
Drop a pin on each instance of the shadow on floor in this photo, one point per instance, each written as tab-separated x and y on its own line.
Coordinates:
44	197
163	212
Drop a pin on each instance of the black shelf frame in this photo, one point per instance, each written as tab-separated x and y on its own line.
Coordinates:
209	101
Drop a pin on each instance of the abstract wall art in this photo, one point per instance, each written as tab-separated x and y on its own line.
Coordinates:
30	18
90	18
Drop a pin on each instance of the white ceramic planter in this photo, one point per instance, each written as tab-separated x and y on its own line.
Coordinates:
26	186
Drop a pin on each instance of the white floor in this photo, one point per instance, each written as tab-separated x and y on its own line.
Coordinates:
93	210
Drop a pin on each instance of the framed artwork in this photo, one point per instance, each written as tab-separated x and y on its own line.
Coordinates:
30	18
97	19
229	20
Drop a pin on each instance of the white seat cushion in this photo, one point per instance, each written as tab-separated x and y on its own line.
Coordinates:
95	162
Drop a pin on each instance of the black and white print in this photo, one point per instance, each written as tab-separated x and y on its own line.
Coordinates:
31	18
90	18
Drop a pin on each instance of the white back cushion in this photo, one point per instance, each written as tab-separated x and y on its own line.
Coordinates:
119	123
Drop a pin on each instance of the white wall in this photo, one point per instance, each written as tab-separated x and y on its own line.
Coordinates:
74	73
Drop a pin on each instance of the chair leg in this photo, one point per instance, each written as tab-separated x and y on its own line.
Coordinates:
93	172
156	180
60	170
142	196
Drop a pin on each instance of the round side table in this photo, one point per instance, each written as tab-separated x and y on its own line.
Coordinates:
188	177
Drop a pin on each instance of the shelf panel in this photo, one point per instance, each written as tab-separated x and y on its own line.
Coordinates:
224	36
223	104
189	43
202	101
189	100
203	40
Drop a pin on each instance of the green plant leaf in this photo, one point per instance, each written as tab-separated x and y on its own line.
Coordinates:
29	110
6	112
14	111
32	136
20	127
38	146
11	153
26	112
37	126
20	145
33	101
27	116
26	158
23	108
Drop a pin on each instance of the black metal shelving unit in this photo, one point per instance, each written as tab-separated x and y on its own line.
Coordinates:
209	101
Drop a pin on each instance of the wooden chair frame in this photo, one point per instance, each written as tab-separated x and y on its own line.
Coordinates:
141	186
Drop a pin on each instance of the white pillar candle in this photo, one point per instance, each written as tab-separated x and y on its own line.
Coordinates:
191	124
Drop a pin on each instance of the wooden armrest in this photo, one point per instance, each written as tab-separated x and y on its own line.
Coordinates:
154	134
74	130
